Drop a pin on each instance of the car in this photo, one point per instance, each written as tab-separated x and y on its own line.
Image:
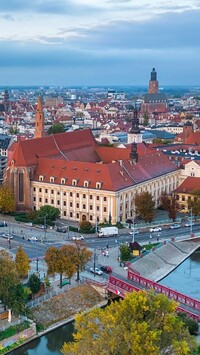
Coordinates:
189	224
96	271
78	237
7	235
136	231
155	229
3	224
106	269
61	230
32	239
30	224
175	226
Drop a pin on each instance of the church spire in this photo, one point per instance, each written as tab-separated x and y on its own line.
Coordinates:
39	120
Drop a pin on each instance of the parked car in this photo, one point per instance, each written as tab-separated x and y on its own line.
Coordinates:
78	237
61	229
96	271
107	269
155	229
30	224
175	226
3	224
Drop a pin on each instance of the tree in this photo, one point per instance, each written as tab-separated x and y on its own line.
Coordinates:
125	253
18	296
7	201
56	128
144	206
146	119
195	202
8	277
170	204
81	256
191	324
34	283
47	213
142	323
85	225
22	263
60	260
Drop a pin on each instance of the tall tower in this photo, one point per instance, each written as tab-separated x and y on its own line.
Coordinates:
153	83
39	120
134	135
6	101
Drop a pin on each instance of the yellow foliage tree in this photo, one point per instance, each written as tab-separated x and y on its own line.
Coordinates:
7	201
22	263
142	323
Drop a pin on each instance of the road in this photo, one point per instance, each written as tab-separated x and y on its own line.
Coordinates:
37	249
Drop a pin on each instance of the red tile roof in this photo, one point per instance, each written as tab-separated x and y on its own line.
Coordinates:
189	185
194	138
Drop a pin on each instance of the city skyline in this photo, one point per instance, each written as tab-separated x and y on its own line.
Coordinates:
112	42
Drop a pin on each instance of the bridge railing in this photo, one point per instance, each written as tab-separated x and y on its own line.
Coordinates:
177	296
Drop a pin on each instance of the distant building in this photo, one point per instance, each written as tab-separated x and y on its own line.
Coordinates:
5	142
154	101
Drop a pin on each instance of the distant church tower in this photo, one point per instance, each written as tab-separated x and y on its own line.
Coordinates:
153	83
6	102
39	120
134	135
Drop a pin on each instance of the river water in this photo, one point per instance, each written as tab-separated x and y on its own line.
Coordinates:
185	278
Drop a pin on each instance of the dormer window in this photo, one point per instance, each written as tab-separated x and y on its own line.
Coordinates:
52	179
98	185
63	181
86	183
74	182
41	178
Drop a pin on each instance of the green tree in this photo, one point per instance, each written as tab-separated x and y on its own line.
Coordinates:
18	296
34	283
142	323
56	128
125	253
22	263
144	206
13	130
170	204
190	323
146	119
7	201
8	277
195	202
47	213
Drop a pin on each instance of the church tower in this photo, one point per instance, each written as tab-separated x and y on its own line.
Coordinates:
153	83
6	102
39	120
134	135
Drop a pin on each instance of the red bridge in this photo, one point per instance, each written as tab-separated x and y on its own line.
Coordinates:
188	305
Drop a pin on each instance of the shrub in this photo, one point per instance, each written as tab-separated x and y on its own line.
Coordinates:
85	225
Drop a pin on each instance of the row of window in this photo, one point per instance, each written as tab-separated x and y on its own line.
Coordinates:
71	194
91	207
74	181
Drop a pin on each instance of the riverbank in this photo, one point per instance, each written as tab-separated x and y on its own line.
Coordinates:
163	260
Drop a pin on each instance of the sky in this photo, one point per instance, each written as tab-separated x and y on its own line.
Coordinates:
99	42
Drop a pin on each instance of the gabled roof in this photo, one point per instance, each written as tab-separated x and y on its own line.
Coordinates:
26	153
189	185
155	98
194	138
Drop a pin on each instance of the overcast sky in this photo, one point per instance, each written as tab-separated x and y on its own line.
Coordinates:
99	42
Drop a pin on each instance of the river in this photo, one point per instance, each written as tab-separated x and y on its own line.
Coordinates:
185	278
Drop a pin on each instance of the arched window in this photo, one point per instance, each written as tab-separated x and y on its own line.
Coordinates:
21	186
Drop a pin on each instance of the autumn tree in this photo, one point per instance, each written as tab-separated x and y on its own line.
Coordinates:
12	293
60	261
56	128
144	206
142	323
81	256
7	201
22	263
170	204
195	202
